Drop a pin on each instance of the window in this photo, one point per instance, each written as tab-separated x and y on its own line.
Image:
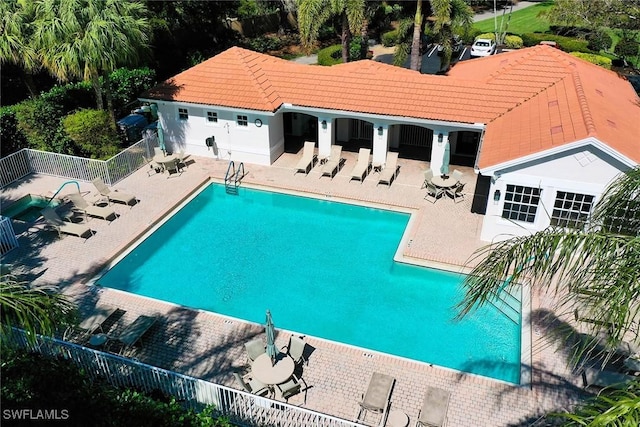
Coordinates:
212	117
521	203
242	121
183	114
571	209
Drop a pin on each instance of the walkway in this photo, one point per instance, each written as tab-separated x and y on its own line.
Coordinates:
210	346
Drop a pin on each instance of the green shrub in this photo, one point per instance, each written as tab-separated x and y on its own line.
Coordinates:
513	42
567	44
11	136
626	48
330	55
127	84
491	36
390	38
600	60
93	132
263	43
39	120
598	40
469	37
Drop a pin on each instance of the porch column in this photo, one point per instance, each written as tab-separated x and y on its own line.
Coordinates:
380	144
325	132
440	139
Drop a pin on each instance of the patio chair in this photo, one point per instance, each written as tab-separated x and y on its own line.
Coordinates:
95	321
456	192
390	170
115	195
377	398
292	387
457	175
434	408
181	162
254	348
134	331
332	166
79	203
53	220
251	385
433	192
428	174
362	166
295	350
171	168
305	164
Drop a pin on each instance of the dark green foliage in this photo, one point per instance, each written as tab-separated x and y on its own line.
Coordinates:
567	44
468	37
627	48
569	31
39	121
598	40
330	55
252	8
32	381
390	38
355	49
263	43
12	138
93	133
126	84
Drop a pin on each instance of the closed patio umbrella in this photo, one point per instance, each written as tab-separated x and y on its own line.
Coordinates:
444	169
270	330
161	138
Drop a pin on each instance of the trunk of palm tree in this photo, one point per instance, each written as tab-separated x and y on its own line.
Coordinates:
345	37
364	34
97	88
27	78
109	97
416	59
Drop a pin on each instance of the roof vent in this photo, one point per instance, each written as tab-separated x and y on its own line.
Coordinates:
556	129
612	124
599	92
585	158
553	103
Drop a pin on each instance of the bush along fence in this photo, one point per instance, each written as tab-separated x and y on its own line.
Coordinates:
241	408
28	161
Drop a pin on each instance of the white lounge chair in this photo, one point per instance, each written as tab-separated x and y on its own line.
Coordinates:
434	408
377	398
82	205
332	166
115	196
362	166
390	170
305	164
53	220
97	319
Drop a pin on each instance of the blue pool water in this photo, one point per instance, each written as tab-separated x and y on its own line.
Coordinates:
324	269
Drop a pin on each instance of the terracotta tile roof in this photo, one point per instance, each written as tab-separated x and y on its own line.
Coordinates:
531	100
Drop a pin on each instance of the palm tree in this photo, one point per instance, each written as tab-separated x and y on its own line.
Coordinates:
450	17
416	58
88	39
593	271
37	310
16	17
312	14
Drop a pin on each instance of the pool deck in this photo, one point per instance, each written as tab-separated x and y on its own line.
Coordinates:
210	346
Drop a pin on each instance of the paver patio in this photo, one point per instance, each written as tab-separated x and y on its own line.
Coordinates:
210	346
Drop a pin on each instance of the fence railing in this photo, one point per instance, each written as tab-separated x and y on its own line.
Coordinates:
241	408
8	239
120	166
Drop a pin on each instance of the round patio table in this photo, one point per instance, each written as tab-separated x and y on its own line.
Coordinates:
269	374
440	182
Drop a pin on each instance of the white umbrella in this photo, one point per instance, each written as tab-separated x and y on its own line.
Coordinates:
444	169
270	330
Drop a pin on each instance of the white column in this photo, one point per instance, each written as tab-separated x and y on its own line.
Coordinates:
325	132
380	145
437	150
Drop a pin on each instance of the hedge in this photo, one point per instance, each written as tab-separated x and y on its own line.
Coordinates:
12	138
567	44
600	60
390	38
513	42
330	55
490	36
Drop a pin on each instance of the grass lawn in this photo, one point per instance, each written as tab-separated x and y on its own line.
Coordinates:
522	21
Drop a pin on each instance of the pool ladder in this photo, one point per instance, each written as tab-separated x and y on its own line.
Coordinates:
507	303
233	177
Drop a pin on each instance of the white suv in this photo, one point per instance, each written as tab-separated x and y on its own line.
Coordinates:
483	47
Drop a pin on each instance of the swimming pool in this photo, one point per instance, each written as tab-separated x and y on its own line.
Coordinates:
324	269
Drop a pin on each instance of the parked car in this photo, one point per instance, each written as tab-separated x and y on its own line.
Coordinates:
456	46
483	47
